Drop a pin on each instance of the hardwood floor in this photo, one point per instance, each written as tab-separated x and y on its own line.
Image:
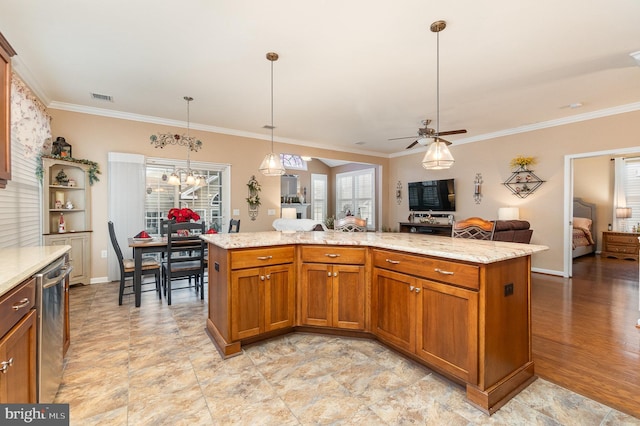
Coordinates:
584	334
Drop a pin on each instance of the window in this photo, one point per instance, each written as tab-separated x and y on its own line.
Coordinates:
291	161
318	197
210	200
355	194
632	190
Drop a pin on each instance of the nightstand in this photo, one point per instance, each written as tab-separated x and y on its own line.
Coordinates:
621	245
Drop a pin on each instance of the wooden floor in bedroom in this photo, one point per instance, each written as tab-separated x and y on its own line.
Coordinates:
584	331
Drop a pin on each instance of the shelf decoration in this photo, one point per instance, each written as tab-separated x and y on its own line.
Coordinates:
399	193
523	182
254	198
94	168
477	188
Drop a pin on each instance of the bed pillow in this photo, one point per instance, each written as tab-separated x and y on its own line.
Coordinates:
582	222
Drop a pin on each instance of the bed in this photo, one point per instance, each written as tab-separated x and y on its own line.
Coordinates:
584	228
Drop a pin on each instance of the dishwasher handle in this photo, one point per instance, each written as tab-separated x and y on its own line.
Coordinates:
50	282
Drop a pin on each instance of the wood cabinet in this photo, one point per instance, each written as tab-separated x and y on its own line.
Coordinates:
621	245
332	287
56	193
18	345
6	52
435	321
457	317
251	292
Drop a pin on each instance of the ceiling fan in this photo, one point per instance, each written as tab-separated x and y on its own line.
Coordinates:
426	133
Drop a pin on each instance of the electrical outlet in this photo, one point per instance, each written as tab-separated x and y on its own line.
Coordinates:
103	254
236	212
271	212
508	289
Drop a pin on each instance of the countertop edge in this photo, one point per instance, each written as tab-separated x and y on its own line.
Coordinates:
467	250
24	262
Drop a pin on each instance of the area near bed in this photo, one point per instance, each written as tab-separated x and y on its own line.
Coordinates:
584	228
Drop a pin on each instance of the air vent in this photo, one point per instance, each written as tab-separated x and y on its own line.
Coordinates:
99	97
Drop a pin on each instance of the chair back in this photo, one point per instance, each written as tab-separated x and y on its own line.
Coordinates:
164	224
234	226
350	224
116	247
473	228
184	246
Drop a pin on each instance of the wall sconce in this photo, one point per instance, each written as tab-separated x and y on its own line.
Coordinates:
477	188
399	193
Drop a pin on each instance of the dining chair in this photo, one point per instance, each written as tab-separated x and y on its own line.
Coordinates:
473	228
185	257
127	268
234	226
350	224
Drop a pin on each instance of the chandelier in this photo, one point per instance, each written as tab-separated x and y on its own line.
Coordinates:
163	139
271	165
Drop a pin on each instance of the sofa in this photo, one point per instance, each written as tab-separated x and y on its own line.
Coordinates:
514	231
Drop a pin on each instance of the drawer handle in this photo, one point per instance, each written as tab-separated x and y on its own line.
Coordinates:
442	271
4	365
393	262
332	255
265	257
21	304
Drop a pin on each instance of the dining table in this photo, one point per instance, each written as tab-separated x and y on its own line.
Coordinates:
141	247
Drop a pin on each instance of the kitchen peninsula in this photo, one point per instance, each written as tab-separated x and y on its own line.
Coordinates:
461	307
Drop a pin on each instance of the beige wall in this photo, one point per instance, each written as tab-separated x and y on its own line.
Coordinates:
544	208
92	137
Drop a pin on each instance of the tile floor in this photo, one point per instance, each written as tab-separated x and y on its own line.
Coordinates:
154	365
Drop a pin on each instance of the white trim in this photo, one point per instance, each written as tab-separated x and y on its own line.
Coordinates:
125	158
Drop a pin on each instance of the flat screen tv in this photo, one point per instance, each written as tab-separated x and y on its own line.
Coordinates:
434	195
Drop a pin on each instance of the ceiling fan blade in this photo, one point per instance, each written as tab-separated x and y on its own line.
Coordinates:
405	137
452	132
412	145
443	140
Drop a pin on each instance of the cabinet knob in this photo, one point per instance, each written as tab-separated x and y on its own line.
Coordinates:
329	273
261	277
417	290
268	276
4	365
411	288
335	274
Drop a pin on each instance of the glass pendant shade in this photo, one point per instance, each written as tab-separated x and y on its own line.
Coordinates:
271	165
173	180
438	156
191	180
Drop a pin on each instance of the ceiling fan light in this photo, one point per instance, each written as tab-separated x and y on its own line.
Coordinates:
438	156
272	166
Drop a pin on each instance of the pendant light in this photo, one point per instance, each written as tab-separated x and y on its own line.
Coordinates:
163	139
271	165
438	156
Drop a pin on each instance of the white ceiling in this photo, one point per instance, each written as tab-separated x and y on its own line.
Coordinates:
351	74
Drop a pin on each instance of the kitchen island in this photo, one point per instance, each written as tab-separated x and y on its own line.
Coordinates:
461	307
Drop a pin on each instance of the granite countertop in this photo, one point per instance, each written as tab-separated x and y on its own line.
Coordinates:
446	247
20	263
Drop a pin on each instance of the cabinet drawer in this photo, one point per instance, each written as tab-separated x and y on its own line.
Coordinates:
16	304
252	258
622	249
623	239
335	255
430	268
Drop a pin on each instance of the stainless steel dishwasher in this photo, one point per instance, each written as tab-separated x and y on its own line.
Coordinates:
50	305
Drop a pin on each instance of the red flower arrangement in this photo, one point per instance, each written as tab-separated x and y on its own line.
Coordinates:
183	215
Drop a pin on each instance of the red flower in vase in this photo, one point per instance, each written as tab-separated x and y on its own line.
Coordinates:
183	215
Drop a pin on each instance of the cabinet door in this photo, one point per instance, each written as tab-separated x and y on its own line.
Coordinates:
316	293
18	350
278	297
448	328
247	294
78	258
394	308
348	297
